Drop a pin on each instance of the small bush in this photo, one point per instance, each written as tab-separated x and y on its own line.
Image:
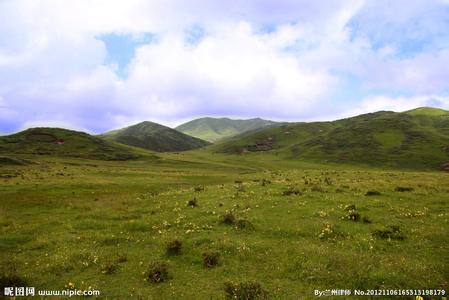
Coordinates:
211	259
291	191
227	218
350	207
352	215
109	268
372	193
244	290
174	247
198	188
244	225
192	202
264	182
403	189
389	233
156	272
328	181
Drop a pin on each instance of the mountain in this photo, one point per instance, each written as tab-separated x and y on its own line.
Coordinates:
414	139
215	129
63	142
153	136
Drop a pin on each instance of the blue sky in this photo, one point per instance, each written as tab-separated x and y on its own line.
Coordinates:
171	61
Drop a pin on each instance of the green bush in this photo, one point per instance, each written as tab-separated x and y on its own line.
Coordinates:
174	247
109	268
247	290
372	193
192	202
156	272
243	224
211	259
388	233
227	218
403	189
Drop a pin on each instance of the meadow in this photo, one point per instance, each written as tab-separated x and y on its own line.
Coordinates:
198	225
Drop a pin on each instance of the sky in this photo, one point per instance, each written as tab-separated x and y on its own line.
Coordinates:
96	65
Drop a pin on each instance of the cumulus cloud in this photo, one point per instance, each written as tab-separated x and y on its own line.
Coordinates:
275	59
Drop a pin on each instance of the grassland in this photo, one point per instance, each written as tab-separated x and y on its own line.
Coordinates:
290	226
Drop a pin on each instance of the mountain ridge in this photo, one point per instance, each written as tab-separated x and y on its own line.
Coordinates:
410	139
215	129
153	136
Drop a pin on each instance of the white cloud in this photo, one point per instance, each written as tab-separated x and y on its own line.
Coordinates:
276	59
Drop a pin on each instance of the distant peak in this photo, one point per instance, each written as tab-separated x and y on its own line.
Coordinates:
429	111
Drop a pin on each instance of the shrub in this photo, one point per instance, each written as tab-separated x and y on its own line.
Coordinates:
350	207
352	215
388	233
403	189
174	247
211	259
291	191
328	181
192	202
264	182
372	193
109	268
156	272
247	290
198	188
244	225
227	218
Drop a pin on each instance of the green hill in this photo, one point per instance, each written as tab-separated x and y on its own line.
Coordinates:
152	136
63	142
215	129
413	139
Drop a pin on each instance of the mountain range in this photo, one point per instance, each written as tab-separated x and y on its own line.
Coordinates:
216	129
416	139
155	137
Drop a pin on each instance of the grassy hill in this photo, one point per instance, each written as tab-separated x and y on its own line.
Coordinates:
413	139
215	129
152	136
62	142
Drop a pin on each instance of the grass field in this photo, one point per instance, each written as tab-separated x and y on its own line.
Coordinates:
290	227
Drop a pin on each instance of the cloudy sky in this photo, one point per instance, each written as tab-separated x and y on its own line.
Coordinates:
101	64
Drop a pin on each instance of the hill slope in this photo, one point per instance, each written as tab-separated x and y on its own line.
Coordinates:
63	142
214	129
413	139
152	136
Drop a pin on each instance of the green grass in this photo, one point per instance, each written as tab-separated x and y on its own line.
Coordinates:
100	224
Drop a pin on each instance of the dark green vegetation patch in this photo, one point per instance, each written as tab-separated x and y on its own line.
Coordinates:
156	137
61	143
